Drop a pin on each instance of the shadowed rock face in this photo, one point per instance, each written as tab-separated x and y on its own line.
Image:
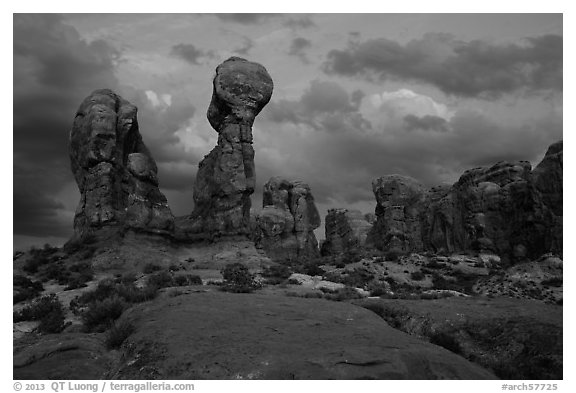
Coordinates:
285	226
503	208
226	176
115	172
345	230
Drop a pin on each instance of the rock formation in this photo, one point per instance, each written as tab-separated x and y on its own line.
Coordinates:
399	201
285	226
115	172
345	230
226	176
506	208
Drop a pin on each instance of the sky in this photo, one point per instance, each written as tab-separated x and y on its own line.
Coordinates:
356	96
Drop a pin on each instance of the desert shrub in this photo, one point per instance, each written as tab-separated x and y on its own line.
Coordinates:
293	281
341	294
162	279
187	279
127	278
238	279
394	254
553	282
352	255
433	264
118	333
357	278
39	257
108	289
307	295
151	268
25	288
48	310
280	272
446	339
417	276
100	314
377	288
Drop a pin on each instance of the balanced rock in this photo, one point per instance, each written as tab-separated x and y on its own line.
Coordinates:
226	176
345	230
285	226
115	172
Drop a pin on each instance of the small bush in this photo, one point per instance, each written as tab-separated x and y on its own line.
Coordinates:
357	278
417	276
39	257
151	268
48	310
162	279
377	288
237	278
277	271
553	282
100	315
342	294
187	279
118	333
25	288
394	254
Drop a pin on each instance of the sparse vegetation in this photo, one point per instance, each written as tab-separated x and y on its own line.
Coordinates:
161	279
25	289
151	268
341	294
394	254
118	333
100	314
48	310
100	307
276	274
238	279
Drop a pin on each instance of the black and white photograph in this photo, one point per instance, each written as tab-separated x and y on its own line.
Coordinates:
287	196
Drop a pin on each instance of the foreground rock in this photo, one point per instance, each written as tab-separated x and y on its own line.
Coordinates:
275	337
226	177
115	172
515	338
345	229
506	209
61	356
285	226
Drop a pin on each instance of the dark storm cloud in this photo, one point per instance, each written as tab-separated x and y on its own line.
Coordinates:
468	69
245	18
426	123
341	156
323	106
298	48
190	53
299	22
54	69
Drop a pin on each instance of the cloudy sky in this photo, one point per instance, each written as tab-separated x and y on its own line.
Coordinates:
356	96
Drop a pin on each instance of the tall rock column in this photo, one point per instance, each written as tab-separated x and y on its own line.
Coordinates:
226	176
114	170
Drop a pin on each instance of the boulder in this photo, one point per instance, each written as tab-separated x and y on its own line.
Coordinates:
345	230
226	176
285	226
115	172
